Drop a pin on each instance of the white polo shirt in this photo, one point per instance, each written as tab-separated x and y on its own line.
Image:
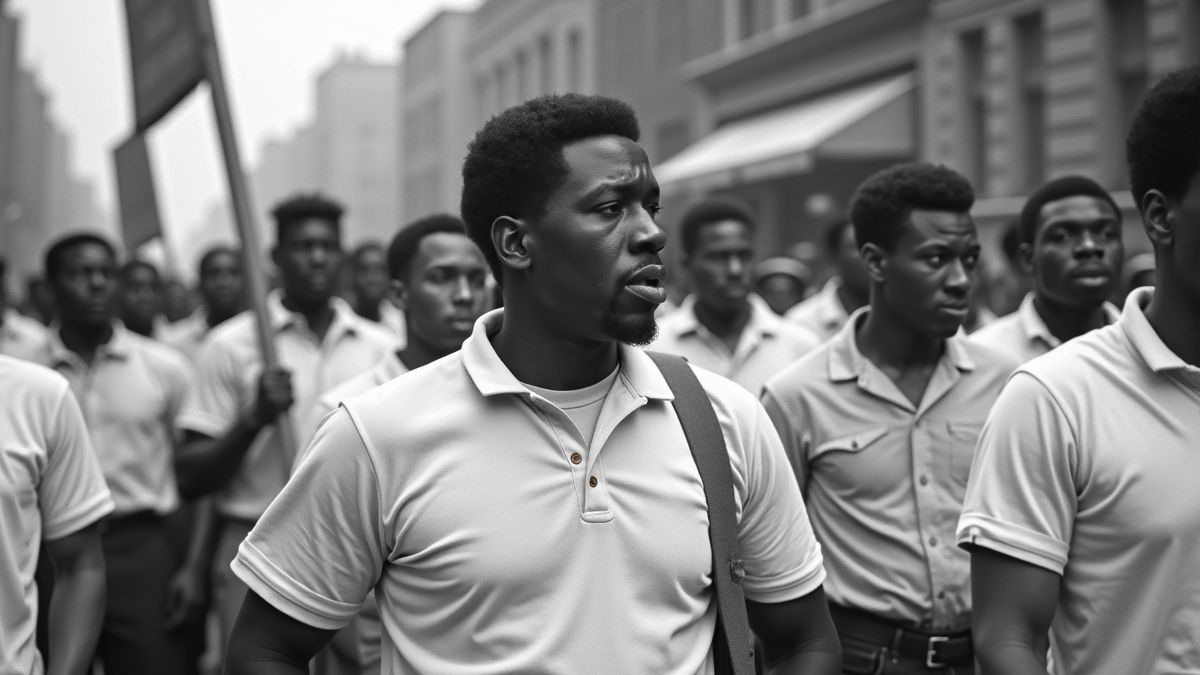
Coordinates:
131	395
823	313
50	487
497	541
187	333
1024	334
228	368
767	344
20	336
1088	467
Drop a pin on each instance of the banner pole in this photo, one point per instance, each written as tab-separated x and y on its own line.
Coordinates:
242	212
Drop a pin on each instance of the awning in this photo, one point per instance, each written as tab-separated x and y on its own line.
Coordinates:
874	120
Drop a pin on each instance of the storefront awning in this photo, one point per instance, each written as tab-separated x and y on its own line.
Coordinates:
874	120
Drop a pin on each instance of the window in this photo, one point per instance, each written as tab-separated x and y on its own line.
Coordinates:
575	60
974	114
801	8
1131	74
1031	101
754	17
546	64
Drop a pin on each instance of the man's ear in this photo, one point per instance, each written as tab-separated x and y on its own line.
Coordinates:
397	293
874	258
1025	258
509	238
1158	218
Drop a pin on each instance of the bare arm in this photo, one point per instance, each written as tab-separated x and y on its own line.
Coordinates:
798	635
77	603
1013	605
265	641
188	592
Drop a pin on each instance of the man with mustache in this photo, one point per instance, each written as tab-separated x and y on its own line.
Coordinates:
880	424
232	448
1070	233
530	504
722	326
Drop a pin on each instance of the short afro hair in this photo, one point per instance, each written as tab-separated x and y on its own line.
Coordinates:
53	261
1163	145
515	161
213	252
366	247
136	264
708	211
301	207
883	202
1059	188
403	249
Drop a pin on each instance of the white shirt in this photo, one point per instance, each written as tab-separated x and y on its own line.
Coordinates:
1088	467
463	500
50	487
20	336
1023	334
823	313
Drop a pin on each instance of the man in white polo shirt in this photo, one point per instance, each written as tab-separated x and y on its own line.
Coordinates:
722	326
1070	233
530	504
232	448
52	491
438	279
1082	514
130	389
880	424
826	312
221	298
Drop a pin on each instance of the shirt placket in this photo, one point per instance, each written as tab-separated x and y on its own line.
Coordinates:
927	478
592	500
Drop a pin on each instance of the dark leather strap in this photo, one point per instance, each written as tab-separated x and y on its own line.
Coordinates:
733	646
937	650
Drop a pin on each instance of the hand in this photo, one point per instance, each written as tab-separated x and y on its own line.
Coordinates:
274	394
187	597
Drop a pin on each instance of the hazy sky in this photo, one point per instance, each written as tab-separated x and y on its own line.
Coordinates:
271	49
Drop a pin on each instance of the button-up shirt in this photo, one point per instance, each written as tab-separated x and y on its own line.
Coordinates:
884	478
1087	467
498	540
187	333
767	344
1024	334
228	368
823	313
20	336
131	395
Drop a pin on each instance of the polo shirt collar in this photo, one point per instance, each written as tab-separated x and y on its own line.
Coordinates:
118	346
763	321
1142	336
344	318
830	311
1034	328
492	377
846	362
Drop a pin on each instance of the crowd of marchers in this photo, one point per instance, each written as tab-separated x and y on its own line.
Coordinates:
465	460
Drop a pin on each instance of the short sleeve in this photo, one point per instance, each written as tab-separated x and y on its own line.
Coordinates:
72	494
1021	498
792	427
213	399
318	550
777	545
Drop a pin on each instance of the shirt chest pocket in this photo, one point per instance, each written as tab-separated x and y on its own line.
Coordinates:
858	464
958	439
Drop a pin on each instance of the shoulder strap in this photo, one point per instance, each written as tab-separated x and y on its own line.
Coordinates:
733	648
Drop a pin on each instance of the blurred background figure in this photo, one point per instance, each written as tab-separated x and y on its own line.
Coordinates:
1012	282
826	312
782	282
1138	272
39	302
222	295
20	336
139	298
369	285
177	300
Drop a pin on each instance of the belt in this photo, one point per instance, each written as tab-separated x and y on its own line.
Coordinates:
937	650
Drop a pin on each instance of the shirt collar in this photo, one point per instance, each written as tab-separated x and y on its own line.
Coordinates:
344	318
117	347
830	311
846	362
492	377
1033	327
1142	336
763	321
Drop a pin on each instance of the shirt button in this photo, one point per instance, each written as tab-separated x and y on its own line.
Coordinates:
924	480
576	458
933	541
854	445
593	482
941	595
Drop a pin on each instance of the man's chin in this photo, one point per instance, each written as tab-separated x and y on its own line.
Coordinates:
637	330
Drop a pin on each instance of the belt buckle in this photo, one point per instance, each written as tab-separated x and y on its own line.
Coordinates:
931	659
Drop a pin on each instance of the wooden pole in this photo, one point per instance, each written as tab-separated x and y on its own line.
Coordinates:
243	215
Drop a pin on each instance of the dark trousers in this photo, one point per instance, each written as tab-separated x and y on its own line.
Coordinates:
866	652
134	639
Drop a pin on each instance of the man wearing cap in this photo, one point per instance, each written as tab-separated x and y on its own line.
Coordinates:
1070	242
723	326
826	312
782	282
